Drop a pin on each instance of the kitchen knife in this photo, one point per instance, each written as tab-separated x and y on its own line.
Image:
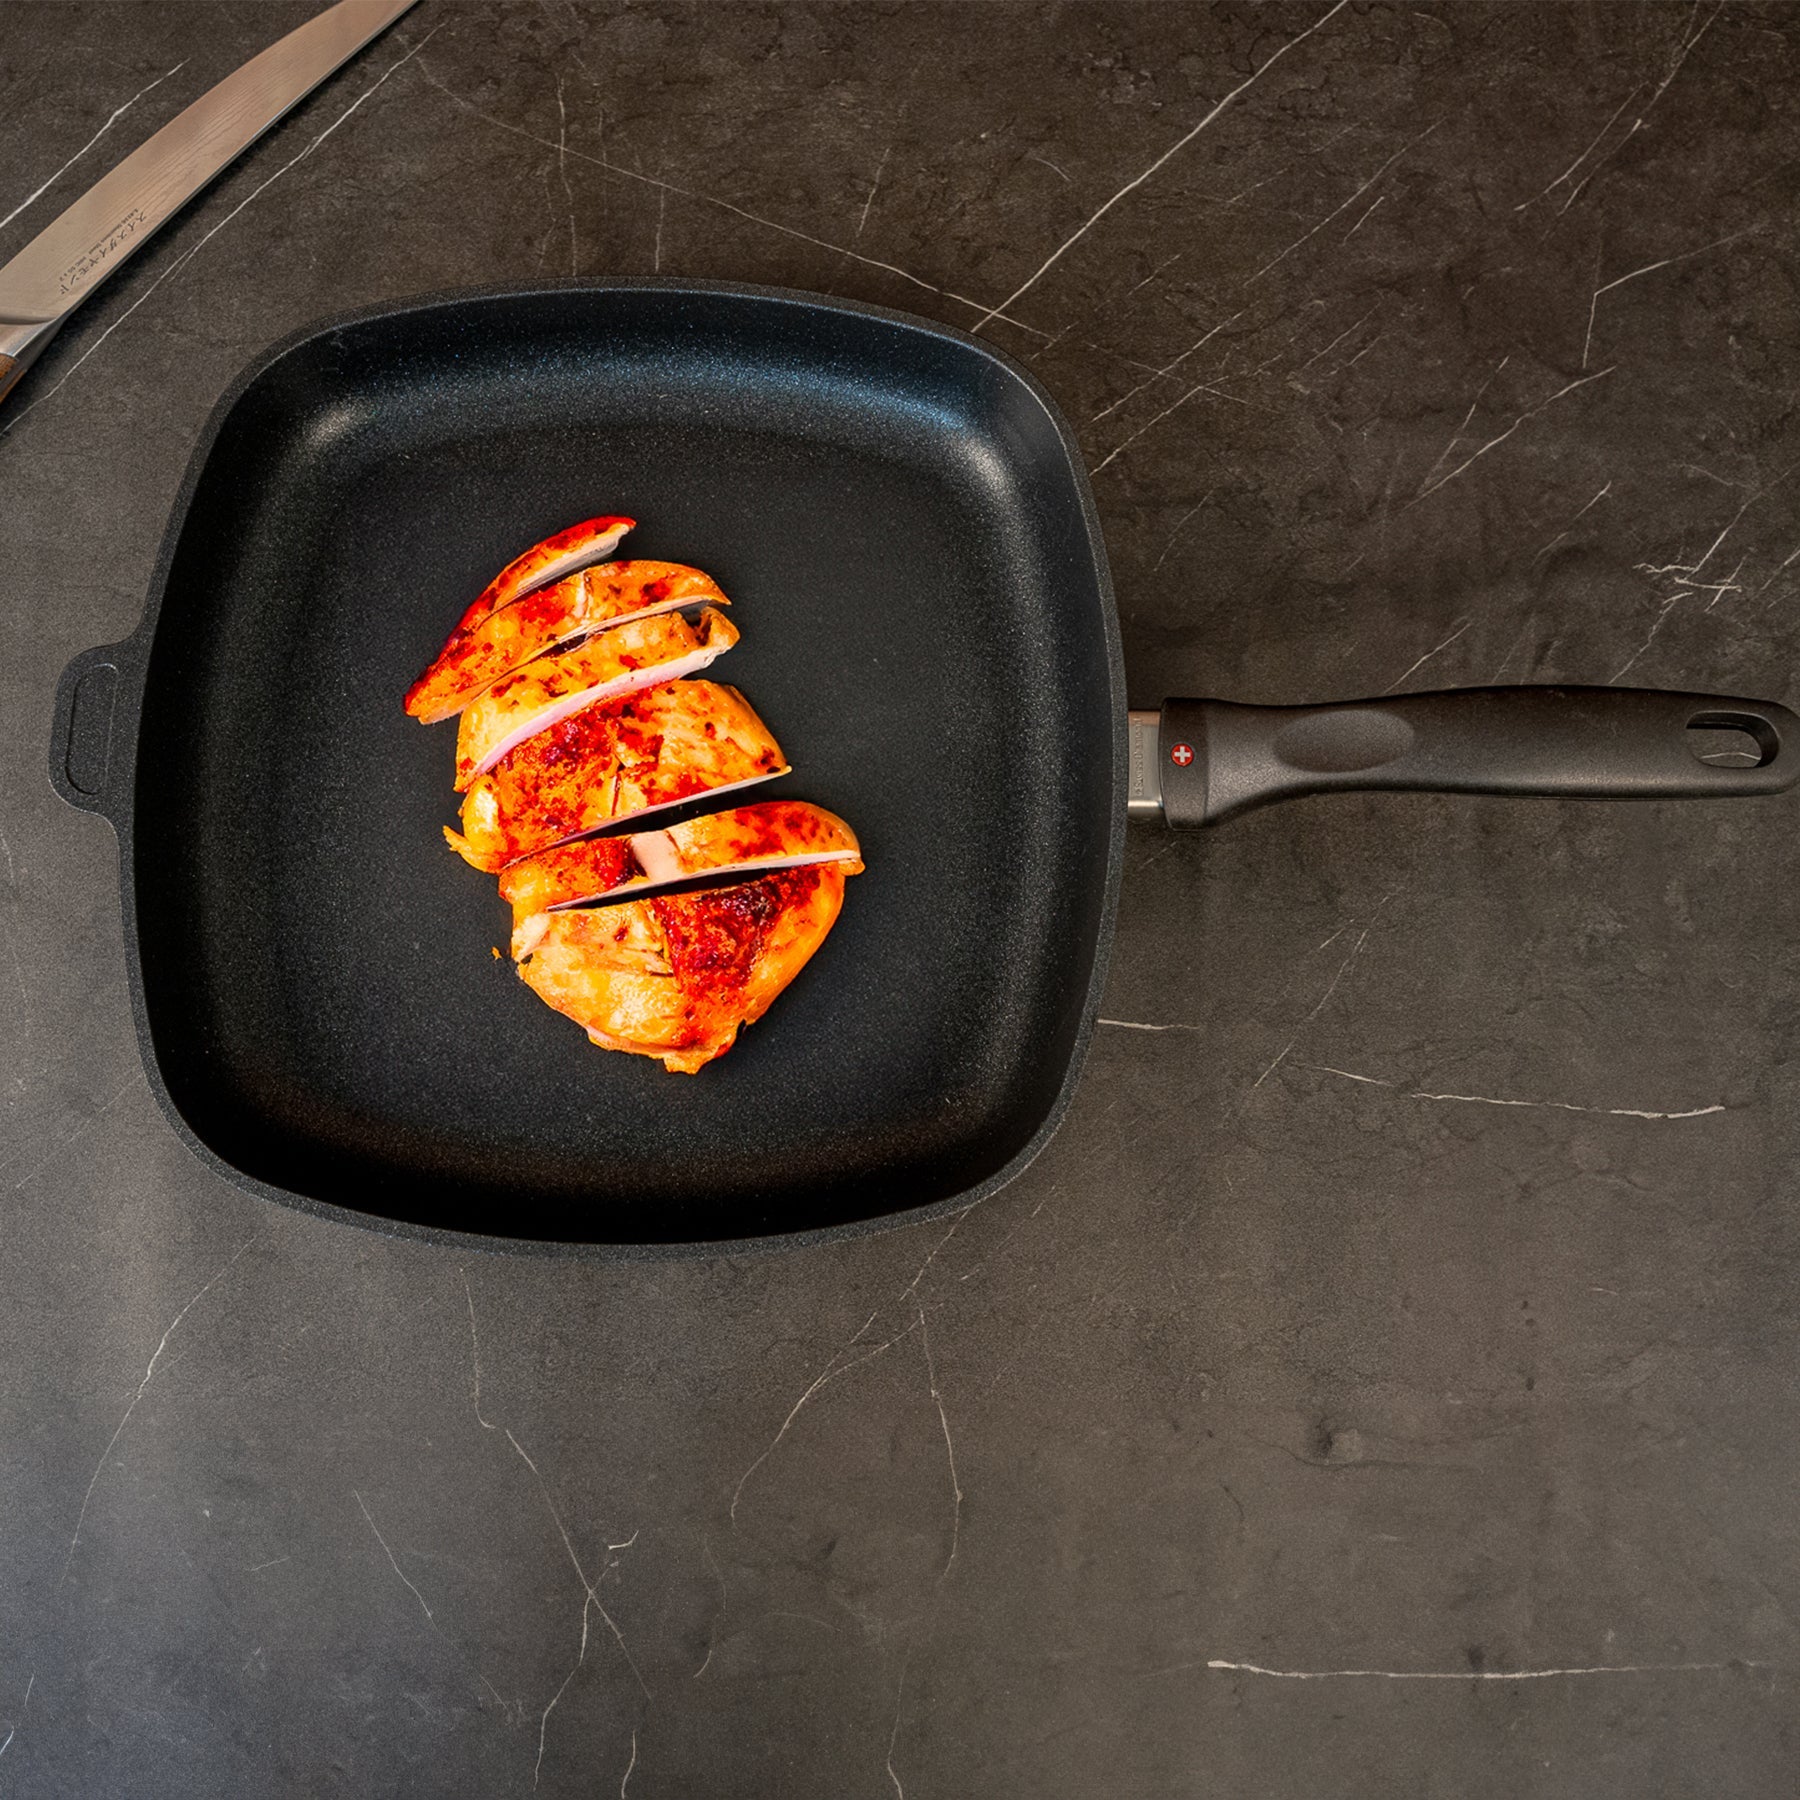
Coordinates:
70	257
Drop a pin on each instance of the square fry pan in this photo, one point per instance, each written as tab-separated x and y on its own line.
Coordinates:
903	520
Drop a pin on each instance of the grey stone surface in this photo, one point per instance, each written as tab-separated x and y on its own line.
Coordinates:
1419	1299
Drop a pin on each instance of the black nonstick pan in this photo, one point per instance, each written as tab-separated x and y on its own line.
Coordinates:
903	521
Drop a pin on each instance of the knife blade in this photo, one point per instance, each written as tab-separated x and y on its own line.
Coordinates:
72	255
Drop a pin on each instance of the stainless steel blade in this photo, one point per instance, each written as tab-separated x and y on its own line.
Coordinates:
71	256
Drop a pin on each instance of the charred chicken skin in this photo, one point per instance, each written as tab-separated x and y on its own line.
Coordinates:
677	976
509	636
611	762
771	834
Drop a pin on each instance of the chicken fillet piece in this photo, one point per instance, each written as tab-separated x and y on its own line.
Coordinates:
507	638
772	834
610	763
611	664
592	541
677	976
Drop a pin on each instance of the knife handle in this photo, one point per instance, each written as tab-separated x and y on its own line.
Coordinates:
1216	759
20	347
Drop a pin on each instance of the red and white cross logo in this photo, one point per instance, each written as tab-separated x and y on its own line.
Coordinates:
1181	755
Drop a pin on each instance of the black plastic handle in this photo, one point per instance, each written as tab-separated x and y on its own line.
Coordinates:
82	757
1590	743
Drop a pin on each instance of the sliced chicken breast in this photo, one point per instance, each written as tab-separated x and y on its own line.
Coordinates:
611	664
505	639
677	976
771	834
613	762
592	541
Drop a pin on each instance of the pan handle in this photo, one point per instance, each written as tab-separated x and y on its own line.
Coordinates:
1215	758
81	731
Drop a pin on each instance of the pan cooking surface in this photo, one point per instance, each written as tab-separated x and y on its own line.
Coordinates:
926	629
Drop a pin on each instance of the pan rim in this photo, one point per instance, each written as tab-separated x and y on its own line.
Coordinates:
119	804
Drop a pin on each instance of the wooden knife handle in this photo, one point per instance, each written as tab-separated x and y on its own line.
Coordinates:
21	346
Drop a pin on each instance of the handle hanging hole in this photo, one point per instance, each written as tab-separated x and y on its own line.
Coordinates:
1725	740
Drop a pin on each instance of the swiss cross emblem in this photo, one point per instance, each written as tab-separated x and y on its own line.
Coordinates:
1181	755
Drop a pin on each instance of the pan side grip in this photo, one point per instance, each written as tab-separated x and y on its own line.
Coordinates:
1216	758
81	732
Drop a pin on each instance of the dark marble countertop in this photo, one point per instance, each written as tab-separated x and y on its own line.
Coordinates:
1384	1385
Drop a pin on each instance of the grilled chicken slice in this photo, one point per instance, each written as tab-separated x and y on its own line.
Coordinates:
611	664
592	541
773	834
676	976
610	763
477	656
